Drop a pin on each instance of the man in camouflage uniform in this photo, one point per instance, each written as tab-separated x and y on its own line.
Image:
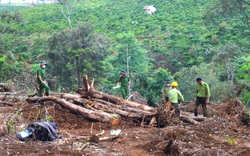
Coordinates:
124	82
41	79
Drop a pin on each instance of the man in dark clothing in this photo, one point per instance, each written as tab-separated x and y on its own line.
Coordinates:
124	82
41	79
202	96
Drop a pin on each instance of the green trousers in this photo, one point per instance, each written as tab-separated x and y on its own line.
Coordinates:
124	90
43	86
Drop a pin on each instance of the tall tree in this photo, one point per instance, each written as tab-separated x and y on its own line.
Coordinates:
67	8
132	58
226	58
80	51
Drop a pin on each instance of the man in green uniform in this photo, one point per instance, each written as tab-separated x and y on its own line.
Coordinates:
202	96
174	95
41	79
124	82
165	89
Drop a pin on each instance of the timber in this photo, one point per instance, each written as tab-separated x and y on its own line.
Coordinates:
91	92
99	106
94	115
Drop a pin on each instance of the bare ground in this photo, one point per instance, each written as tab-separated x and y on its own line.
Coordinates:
225	132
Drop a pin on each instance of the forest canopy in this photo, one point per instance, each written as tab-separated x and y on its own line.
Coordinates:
182	40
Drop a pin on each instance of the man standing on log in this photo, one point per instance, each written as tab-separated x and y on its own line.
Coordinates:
164	91
124	82
202	96
41	79
174	95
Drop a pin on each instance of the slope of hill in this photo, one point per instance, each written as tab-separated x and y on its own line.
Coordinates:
180	34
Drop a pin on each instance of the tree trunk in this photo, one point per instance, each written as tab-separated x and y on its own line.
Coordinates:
112	109
90	92
94	115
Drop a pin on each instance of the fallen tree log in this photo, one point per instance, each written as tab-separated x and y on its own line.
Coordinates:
107	108
128	108
70	96
94	115
114	99
188	119
99	104
90	92
5	103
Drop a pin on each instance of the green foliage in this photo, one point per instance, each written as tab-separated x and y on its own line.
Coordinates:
71	52
130	57
11	126
34	67
226	58
231	140
186	79
243	78
244	69
181	38
151	87
10	66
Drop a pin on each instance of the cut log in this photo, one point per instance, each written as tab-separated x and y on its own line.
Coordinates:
152	122
91	92
99	104
5	103
188	119
191	117
107	108
94	115
124	111
4	88
70	96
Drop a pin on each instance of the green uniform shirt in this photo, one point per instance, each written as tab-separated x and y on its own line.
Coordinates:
42	73
174	95
165	89
124	81
203	90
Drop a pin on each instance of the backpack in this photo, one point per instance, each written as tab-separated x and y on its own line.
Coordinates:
41	131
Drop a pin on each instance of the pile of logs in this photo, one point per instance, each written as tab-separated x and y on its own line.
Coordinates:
103	107
99	106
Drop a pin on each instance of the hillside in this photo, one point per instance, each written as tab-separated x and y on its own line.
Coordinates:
181	37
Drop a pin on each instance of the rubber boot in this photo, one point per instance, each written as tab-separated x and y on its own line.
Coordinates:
195	114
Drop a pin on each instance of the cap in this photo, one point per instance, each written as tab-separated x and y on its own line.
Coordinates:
123	72
43	63
168	81
198	79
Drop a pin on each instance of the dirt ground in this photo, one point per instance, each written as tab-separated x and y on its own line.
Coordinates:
225	132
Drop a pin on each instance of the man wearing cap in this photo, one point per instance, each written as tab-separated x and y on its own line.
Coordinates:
41	79
202	96
165	89
124	82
